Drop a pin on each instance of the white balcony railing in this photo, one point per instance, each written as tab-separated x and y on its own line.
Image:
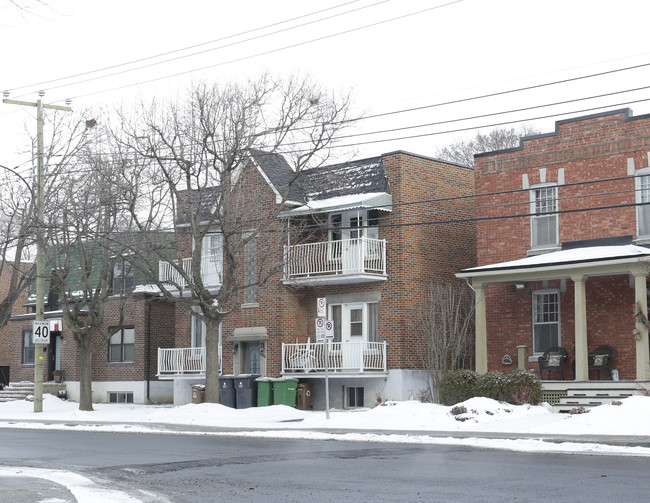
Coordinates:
343	357
342	257
181	361
211	271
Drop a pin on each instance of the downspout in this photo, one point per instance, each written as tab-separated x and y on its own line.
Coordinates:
147	350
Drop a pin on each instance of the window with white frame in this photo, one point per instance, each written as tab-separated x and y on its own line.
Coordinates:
198	331
544	216
354	397
546	320
642	199
212	258
28	347
121	346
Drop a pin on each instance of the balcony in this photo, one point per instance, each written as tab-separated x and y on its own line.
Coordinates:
211	271
181	362
335	262
345	358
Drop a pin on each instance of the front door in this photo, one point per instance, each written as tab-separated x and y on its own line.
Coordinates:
352	335
352	251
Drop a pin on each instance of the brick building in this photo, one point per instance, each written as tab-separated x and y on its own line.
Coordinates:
353	234
562	248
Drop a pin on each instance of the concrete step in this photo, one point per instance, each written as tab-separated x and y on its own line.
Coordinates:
21	390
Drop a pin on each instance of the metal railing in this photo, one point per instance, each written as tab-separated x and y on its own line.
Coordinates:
181	361
346	256
211	271
343	357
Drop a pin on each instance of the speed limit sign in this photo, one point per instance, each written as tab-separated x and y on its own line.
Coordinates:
41	332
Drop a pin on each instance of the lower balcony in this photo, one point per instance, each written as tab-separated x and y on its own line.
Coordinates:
335	262
181	362
346	358
211	269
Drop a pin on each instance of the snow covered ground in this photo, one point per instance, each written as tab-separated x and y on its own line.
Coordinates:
407	422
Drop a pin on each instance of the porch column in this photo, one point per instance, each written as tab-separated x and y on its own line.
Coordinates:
480	314
582	356
642	346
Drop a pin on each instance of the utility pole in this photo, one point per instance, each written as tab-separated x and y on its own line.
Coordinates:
39	349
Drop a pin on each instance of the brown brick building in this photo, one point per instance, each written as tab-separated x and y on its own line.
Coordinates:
368	236
562	247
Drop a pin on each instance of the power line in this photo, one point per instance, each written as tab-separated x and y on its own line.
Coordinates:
175	51
271	51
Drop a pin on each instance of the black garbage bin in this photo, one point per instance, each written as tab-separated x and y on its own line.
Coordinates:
246	390
4	375
227	391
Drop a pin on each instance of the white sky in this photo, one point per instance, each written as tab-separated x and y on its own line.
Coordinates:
459	50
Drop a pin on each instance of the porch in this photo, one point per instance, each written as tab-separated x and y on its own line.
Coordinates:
211	271
576	264
344	358
335	262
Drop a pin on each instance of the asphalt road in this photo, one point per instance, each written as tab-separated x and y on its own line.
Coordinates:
184	469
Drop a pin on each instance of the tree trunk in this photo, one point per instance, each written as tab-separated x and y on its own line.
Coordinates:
85	375
212	360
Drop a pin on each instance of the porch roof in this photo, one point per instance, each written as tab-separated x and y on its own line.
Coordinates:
379	200
588	260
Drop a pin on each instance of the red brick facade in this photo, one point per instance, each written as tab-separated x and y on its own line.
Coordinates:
593	160
419	249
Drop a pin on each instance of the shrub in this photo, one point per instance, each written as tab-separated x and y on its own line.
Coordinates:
522	386
492	385
517	388
458	386
457	410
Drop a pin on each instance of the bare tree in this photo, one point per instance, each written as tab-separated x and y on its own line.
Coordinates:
444	325
190	159
84	215
16	240
463	151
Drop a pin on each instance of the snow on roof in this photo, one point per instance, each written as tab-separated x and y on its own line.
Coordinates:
563	257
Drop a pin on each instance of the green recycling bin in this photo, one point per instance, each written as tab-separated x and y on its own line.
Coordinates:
284	391
264	391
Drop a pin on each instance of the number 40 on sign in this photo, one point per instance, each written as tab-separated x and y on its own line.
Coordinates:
41	332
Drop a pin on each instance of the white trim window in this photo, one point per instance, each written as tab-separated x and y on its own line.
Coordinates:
642	200
546	320
544	226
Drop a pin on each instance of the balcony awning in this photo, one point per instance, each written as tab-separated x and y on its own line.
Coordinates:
373	200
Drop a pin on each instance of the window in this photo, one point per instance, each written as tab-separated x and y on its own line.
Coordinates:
28	347
546	320
337	319
212	258
121	347
250	270
643	202
354	396
544	217
356	322
120	397
198	332
122	276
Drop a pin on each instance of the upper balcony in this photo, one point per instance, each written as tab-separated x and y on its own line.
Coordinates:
211	271
337	262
